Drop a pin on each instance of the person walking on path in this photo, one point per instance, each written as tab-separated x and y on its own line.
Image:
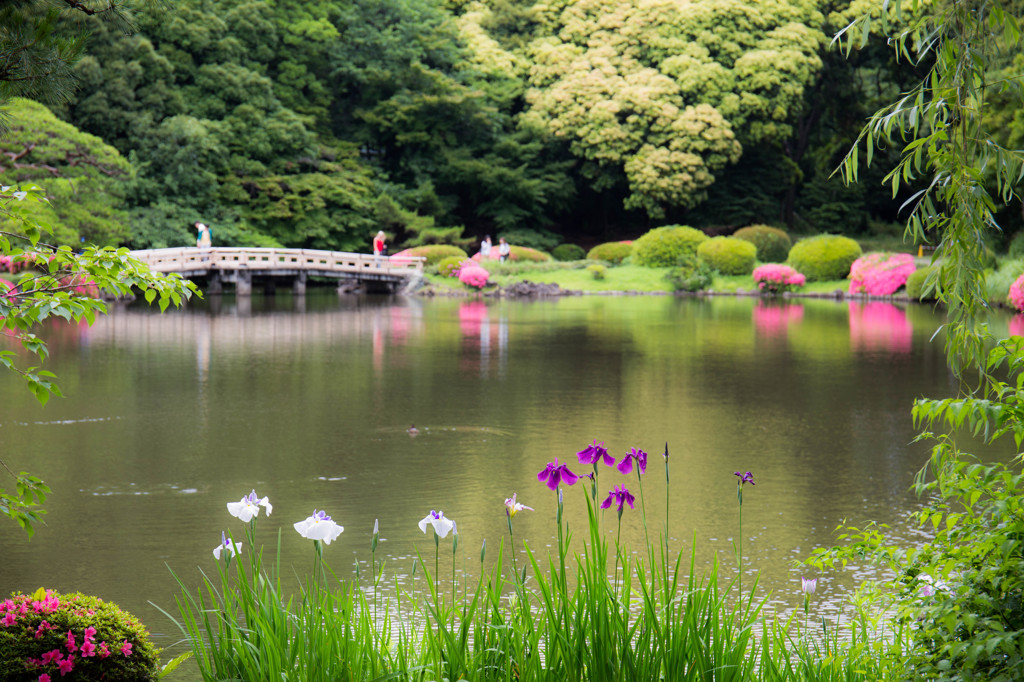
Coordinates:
380	247
504	249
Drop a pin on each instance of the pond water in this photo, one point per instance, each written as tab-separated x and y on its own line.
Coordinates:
168	417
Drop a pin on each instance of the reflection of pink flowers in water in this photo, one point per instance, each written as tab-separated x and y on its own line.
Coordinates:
471	317
879	326
773	320
880	274
1017	325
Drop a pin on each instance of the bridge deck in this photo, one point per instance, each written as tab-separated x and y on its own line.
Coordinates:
193	261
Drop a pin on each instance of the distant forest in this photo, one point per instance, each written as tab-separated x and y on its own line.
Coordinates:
311	124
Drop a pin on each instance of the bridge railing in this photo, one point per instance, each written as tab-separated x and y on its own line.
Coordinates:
191	259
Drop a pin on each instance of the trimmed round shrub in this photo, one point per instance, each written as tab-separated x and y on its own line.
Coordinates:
880	274
72	637
434	253
525	253
567	252
667	246
825	257
449	267
597	271
692	275
1016	295
772	243
611	252
473	275
774	278
728	255
916	283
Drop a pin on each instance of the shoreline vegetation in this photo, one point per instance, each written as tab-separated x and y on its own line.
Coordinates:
574	280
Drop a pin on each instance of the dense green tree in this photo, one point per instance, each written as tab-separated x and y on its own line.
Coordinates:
84	177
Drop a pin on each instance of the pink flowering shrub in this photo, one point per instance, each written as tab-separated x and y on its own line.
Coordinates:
774	279
49	636
474	276
880	274
1016	296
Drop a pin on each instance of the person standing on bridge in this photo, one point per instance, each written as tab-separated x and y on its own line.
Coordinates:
380	247
203	240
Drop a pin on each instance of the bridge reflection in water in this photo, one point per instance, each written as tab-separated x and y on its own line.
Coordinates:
243	267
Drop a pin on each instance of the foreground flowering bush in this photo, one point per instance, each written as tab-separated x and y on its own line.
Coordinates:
48	636
880	274
775	279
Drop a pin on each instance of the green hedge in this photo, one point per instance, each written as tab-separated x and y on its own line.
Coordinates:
825	257
916	281
568	252
611	252
728	255
449	267
772	244
435	253
667	246
522	253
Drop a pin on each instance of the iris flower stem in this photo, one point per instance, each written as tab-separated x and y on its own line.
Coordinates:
643	506
739	542
515	567
437	550
618	536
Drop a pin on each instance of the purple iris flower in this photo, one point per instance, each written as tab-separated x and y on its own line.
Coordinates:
626	465
556	473
620	495
594	453
745	478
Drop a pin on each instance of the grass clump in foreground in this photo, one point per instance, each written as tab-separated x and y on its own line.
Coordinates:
590	610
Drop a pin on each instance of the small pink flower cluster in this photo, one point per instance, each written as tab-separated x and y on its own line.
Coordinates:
1016	296
880	274
775	278
21	606
474	276
12	264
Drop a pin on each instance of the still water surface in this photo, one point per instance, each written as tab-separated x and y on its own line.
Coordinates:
168	417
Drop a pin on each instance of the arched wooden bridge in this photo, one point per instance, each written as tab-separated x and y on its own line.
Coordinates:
243	266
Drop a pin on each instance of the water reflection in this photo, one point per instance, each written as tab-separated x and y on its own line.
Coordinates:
879	326
1016	325
481	334
772	319
168	417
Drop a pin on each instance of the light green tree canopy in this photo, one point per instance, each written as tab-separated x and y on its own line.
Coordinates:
666	91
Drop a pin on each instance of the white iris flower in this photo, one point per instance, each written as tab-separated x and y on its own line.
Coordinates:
442	526
319	526
249	507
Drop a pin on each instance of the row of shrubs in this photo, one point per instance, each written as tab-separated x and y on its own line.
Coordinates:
694	258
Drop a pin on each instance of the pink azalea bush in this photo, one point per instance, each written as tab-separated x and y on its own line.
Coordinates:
49	636
474	276
1016	297
774	278
880	274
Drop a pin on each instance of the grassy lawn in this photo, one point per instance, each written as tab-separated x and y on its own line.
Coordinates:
575	277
